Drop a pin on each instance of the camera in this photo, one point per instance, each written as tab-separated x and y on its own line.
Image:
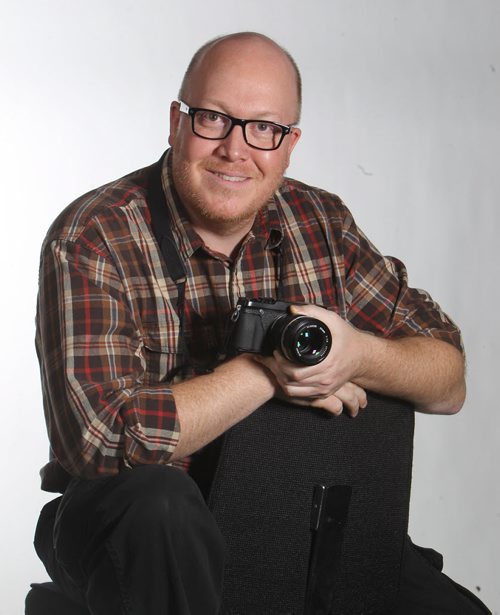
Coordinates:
264	325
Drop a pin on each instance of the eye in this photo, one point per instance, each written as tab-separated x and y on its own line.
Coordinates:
265	128
264	134
210	117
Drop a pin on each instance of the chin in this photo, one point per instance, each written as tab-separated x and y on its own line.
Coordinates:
226	215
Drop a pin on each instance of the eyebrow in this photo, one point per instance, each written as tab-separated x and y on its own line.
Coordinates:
260	115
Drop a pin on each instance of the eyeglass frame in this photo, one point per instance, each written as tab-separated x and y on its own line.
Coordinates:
286	129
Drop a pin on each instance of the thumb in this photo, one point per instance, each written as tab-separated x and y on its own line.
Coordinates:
313	311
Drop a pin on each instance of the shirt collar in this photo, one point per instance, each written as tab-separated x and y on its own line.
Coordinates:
267	226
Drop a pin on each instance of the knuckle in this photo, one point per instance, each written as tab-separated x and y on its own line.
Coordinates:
288	390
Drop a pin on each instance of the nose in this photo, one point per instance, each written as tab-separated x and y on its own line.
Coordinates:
234	147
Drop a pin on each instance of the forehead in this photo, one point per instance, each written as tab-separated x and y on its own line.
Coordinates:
245	77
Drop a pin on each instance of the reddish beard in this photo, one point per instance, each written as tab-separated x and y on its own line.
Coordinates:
221	217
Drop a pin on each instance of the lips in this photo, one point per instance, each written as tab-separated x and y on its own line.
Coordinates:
234	177
231	178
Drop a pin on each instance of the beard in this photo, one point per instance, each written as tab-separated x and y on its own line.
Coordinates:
219	208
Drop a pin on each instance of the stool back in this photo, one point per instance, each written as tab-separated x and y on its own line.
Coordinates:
262	496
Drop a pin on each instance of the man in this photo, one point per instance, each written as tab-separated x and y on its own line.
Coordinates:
132	319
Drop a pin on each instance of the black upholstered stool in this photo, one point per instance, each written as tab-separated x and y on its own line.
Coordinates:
269	468
262	499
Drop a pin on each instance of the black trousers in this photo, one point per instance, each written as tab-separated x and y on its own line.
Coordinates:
144	543
425	589
139	543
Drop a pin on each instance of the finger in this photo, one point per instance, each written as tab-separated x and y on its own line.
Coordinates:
318	391
307	310
353	397
294	371
331	404
288	372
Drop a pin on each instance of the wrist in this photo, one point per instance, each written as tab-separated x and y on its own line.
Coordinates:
369	352
255	375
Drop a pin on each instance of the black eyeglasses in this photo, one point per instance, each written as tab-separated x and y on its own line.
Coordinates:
214	125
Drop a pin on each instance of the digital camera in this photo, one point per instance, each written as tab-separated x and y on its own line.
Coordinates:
264	325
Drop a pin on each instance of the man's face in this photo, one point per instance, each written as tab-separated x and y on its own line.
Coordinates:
223	183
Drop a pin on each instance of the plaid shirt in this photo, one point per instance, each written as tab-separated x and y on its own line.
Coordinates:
107	328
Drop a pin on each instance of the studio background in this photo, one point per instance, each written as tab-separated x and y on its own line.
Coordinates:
401	119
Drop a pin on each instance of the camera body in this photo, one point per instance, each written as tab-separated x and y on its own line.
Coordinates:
263	325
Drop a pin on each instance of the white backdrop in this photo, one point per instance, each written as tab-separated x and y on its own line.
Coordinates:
401	119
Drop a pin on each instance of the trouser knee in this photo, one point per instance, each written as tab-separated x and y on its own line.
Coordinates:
144	537
147	502
155	495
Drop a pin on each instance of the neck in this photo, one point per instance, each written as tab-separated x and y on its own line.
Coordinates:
224	240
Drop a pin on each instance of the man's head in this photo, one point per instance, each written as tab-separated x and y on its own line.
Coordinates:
242	36
224	182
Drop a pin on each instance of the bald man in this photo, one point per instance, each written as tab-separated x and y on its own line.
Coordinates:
138	281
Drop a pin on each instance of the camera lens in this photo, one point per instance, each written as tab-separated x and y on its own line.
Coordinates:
301	339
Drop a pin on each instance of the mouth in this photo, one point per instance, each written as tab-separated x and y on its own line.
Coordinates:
232	179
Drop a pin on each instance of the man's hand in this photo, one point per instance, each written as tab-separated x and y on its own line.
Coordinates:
349	398
328	384
424	371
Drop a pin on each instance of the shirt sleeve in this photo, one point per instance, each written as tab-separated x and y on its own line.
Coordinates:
101	415
379	298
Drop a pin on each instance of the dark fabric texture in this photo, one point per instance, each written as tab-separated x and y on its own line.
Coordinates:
48	599
139	543
262	493
425	590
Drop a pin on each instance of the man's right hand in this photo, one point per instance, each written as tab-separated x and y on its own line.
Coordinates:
350	398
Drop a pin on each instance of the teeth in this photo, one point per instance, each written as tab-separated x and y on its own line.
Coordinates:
231	178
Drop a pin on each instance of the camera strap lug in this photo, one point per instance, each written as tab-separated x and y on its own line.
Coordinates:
236	313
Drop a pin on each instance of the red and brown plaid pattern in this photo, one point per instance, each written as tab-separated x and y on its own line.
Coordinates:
107	328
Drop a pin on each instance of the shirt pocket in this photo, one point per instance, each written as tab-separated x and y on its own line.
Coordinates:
161	353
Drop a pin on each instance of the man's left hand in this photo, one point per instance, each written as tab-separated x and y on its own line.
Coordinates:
328	384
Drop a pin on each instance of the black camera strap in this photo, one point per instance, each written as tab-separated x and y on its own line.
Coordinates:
162	230
162	227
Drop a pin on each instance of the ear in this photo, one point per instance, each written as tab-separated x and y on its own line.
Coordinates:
175	116
293	137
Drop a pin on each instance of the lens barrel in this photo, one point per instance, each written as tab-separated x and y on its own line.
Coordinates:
301	339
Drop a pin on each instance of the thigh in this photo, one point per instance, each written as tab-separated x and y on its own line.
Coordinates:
115	541
90	509
44	547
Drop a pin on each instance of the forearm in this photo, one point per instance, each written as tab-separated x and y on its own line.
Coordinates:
424	371
209	405
105	389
